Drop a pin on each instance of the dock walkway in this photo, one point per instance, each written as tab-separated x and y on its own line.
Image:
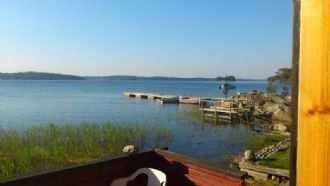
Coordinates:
147	95
164	98
212	108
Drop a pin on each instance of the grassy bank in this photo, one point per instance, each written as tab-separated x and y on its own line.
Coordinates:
279	160
258	142
253	142
53	146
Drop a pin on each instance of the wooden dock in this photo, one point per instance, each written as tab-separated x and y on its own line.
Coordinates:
216	109
229	114
161	98
147	95
217	114
232	115
189	100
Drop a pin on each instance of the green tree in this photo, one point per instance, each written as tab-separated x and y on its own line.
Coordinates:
285	91
283	75
270	88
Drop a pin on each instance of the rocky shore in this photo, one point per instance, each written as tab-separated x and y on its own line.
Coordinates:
276	110
267	106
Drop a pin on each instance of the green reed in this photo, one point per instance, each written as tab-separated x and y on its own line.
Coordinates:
192	114
54	146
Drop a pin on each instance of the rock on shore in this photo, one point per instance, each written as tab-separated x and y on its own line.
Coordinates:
274	107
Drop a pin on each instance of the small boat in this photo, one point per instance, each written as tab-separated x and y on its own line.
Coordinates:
165	100
179	170
189	100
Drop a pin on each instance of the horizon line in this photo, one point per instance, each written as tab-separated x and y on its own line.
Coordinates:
143	76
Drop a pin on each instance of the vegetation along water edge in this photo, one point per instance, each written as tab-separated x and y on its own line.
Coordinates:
52	146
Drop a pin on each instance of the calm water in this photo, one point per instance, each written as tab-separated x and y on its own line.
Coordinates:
27	103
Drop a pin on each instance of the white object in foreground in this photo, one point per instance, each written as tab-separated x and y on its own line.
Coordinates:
155	178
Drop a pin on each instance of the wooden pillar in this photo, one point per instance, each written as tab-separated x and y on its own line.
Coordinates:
313	94
216	115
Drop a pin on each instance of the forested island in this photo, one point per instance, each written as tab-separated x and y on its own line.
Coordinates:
225	78
37	76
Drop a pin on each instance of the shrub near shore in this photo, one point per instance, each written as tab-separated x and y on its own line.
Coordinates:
53	146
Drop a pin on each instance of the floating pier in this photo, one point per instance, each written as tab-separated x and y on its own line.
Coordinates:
230	110
163	98
218	113
189	100
216	109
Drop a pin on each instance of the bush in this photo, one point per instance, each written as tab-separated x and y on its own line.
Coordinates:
271	89
285	91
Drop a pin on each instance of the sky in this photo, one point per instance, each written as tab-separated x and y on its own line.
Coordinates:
181	38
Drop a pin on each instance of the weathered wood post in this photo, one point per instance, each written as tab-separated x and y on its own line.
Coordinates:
311	93
216	115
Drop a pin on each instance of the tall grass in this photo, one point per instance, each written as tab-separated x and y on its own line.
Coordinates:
256	143
53	146
192	114
280	159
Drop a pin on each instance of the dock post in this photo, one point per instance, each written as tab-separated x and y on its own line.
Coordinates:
216	115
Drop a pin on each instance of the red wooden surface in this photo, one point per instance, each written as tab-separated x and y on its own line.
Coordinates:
199	175
179	171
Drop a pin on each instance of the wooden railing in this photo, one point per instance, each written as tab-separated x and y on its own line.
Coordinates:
311	67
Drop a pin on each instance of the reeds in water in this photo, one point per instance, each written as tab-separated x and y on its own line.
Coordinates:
54	146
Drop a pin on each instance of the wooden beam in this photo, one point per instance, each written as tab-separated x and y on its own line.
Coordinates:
313	135
295	85
264	169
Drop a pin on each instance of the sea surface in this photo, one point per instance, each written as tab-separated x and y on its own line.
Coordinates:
33	103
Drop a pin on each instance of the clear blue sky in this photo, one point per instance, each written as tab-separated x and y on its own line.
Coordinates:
183	38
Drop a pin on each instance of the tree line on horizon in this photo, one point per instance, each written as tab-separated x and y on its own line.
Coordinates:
37	76
283	75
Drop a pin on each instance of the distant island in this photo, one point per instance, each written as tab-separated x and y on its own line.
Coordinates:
127	77
37	76
124	77
57	76
283	75
225	78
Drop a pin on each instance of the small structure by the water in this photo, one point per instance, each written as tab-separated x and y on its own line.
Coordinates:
227	109
243	106
163	98
215	109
